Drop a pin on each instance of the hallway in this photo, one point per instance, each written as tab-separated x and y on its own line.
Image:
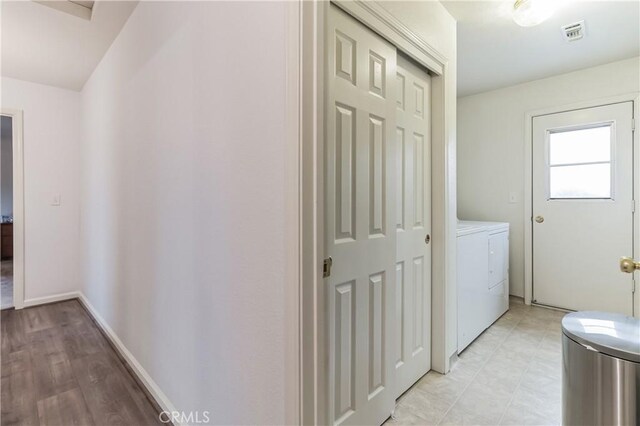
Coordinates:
58	369
511	375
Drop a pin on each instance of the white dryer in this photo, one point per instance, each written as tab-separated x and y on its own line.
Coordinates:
482	277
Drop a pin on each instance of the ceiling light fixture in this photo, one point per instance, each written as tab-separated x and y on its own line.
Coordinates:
528	13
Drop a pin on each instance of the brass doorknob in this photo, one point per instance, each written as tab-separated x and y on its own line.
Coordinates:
628	265
539	219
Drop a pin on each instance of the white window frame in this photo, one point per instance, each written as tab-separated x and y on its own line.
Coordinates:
611	162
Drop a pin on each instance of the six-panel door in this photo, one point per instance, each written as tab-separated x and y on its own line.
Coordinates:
378	222
360	221
412	343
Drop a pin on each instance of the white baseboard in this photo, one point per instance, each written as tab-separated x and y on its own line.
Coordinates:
50	299
138	370
141	374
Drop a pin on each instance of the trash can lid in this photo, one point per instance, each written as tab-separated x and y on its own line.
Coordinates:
615	335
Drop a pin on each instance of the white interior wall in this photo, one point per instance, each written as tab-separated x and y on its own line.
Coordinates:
491	144
51	166
6	167
183	202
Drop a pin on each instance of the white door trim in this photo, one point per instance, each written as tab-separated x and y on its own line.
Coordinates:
18	205
293	198
312	77
528	170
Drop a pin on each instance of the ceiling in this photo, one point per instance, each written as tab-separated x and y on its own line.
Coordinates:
48	46
494	52
45	45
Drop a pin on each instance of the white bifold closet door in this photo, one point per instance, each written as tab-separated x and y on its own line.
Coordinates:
360	221
412	334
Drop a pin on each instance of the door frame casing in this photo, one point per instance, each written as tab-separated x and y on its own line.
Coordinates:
633	97
312	110
18	204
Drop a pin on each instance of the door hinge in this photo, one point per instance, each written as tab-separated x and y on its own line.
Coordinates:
633	124
326	267
633	206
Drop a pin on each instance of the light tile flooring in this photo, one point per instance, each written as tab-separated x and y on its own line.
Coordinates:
511	375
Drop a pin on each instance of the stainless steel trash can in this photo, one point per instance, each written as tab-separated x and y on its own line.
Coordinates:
601	369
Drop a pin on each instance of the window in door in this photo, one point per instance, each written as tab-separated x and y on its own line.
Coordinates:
580	165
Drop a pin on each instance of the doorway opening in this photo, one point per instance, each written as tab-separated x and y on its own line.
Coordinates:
6	211
11	210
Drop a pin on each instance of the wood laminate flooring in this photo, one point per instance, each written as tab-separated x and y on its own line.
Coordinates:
58	369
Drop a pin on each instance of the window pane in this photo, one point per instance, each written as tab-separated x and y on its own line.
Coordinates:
588	181
580	146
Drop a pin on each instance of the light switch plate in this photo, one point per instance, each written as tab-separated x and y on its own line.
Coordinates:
56	200
513	197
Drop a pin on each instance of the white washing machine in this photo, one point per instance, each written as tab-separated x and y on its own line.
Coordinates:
482	277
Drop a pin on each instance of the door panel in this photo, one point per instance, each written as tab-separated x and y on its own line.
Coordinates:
413	224
582	208
344	348
360	220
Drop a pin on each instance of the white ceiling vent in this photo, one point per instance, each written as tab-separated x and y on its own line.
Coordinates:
573	32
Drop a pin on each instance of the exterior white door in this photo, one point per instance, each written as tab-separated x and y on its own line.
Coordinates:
360	221
583	208
412	333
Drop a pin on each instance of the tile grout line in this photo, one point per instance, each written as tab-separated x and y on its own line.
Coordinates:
478	372
517	387
546	332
